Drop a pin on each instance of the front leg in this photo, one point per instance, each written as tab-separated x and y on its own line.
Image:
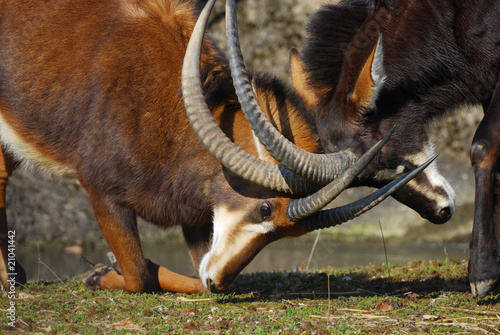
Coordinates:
131	272
484	267
102	276
173	282
119	228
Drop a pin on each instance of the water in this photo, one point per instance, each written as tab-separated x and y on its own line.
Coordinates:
287	255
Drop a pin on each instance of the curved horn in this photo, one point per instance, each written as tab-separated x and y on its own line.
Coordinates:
320	169
215	141
339	215
301	208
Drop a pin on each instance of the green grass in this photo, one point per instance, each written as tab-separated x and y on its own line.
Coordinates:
414	298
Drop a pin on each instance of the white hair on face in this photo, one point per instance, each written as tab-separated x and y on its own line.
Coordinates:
227	241
436	179
431	173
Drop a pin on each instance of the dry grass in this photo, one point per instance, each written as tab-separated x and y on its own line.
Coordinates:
418	297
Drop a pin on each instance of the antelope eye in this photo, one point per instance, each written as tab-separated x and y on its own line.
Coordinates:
381	159
265	211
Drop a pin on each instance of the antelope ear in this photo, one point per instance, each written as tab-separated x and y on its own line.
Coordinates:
370	80
261	96
300	79
266	101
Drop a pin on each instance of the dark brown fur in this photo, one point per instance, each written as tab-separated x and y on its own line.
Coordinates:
438	55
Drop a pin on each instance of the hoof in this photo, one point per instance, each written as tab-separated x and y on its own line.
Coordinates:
482	288
92	278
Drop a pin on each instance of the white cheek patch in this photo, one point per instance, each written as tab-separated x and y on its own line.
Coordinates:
389	174
228	241
263	228
28	155
400	170
434	177
443	199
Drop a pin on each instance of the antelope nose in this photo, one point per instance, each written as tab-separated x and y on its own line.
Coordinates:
444	215
209	284
212	287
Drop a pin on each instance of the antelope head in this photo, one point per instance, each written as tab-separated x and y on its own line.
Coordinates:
258	201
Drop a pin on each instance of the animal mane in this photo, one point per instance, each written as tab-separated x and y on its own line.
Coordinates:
329	33
178	12
294	124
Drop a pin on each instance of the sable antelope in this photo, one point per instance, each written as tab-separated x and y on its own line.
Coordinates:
435	56
91	89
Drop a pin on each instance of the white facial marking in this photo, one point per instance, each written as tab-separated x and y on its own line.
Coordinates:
263	228
389	174
432	174
228	241
400	170
435	178
28	155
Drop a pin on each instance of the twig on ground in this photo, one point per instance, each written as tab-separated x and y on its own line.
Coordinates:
468	310
385	249
40	262
312	249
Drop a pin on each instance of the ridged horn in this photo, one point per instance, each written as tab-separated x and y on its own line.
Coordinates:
339	215
301	208
318	168
233	158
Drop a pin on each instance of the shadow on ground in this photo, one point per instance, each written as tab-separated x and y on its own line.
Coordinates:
415	279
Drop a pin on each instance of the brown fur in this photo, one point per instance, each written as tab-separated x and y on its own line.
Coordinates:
364	89
93	87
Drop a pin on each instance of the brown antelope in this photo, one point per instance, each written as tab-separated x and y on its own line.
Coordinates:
436	56
91	89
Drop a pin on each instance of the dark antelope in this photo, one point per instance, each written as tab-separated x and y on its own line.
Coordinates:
432	57
91	89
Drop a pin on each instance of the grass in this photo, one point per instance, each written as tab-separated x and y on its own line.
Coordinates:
416	298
